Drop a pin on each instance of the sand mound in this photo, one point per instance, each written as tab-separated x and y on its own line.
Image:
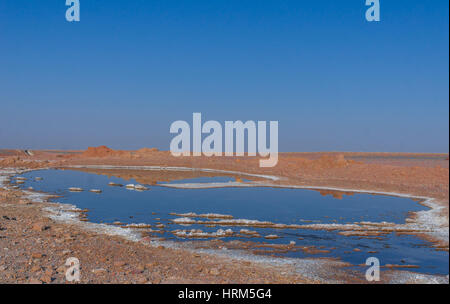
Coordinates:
102	151
146	150
335	161
331	161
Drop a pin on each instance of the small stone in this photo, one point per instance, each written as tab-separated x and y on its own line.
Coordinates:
119	263
142	281
99	271
214	271
140	268
34	281
35	268
39	227
61	269
46	279
37	255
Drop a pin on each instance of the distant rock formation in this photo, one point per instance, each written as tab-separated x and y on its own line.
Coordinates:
104	151
101	151
146	150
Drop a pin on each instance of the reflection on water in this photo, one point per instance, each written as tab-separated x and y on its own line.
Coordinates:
336	194
262	220
153	177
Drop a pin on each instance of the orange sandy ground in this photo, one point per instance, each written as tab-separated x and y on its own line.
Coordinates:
414	174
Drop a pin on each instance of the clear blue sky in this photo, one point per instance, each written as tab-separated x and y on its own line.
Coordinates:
130	68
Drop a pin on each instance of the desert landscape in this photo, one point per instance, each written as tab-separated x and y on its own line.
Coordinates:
110	255
224	151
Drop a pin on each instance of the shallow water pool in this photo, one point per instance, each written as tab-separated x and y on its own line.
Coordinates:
160	205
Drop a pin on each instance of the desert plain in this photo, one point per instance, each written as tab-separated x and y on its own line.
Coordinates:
34	245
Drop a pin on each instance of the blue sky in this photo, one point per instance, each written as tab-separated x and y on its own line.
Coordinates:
123	74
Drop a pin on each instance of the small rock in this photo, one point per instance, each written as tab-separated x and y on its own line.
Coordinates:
99	271
46	279
37	255
75	189
35	268
119	263
214	271
61	269
39	227
140	268
142	281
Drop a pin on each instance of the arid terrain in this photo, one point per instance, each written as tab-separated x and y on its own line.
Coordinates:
34	248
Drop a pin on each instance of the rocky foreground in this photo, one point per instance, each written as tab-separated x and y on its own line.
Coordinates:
34	249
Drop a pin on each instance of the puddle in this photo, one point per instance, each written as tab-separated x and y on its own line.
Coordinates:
265	221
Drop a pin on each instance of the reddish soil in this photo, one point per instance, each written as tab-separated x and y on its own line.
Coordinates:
123	261
34	249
